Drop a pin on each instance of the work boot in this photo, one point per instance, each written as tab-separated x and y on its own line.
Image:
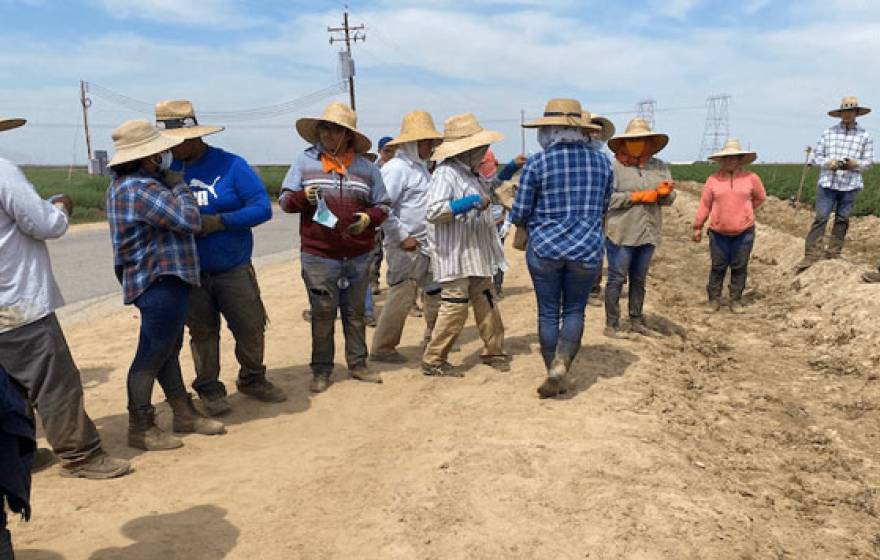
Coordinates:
638	326
363	373
43	459
836	241
393	357
144	434
320	382
500	363
440	370
613	331
99	466
188	420
812	253
871	277
215	405
551	387
736	307
261	389
713	306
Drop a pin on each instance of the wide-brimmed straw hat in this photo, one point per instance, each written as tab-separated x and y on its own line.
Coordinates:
8	123
849	102
138	139
604	123
462	133
417	125
636	129
338	114
178	118
732	147
563	112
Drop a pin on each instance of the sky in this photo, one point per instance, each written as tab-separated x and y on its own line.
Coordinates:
783	64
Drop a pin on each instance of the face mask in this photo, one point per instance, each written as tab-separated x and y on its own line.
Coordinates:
635	148
323	215
165	160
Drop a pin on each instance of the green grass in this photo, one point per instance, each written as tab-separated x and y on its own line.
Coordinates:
781	180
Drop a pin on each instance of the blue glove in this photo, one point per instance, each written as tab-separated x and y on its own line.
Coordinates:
466	204
507	172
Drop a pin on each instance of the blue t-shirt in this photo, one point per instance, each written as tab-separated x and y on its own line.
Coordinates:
225	184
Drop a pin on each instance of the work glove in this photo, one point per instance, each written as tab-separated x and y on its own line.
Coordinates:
211	223
833	165
312	195
644	197
62	202
361	221
849	164
665	188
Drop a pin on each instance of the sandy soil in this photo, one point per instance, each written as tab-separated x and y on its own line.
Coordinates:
723	436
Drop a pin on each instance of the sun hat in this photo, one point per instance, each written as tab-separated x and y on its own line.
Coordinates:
383	142
638	128
416	125
338	114
462	133
604	123
849	102
563	112
178	118
8	123
138	139
732	147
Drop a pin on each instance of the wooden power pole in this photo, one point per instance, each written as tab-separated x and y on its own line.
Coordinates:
86	103
349	35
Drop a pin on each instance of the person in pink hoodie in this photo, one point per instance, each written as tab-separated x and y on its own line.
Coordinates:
729	200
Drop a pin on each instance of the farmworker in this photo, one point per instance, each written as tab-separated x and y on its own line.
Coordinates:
464	246
17	447
405	234
844	152
386	150
598	141
729	200
32	346
154	218
232	200
342	200
562	199
642	185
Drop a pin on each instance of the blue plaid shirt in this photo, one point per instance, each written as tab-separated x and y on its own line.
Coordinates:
562	198
152	227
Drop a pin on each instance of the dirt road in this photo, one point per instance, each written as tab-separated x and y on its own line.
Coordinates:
723	436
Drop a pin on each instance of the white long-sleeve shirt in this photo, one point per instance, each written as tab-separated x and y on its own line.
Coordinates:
28	291
407	183
837	143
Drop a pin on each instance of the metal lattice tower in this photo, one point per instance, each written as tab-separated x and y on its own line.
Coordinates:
645	110
717	127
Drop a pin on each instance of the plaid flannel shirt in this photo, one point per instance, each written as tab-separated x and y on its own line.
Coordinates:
837	143
152	227
563	197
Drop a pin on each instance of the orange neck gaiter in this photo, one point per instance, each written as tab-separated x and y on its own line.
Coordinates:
339	164
631	161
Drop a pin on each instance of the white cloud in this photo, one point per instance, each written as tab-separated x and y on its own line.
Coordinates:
224	13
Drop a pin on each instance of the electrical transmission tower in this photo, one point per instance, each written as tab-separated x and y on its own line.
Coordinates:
645	110
349	35
717	127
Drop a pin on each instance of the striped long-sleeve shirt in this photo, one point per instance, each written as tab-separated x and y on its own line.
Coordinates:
467	244
837	143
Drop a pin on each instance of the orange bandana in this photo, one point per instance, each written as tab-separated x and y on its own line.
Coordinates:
631	161
338	164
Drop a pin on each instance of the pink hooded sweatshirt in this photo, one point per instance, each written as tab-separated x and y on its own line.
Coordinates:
730	202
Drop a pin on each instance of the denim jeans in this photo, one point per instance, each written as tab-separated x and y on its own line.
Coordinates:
631	262
733	252
163	308
337	284
828	200
562	288
368	302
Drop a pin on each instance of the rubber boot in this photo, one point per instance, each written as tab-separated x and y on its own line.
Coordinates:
144	434
557	375
188	420
837	239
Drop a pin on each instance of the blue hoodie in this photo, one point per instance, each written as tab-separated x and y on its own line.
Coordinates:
224	184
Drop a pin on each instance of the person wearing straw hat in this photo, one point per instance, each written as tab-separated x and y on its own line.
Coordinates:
341	198
32	346
642	185
598	139
154	218
405	231
562	200
843	153
729	200
232	201
464	246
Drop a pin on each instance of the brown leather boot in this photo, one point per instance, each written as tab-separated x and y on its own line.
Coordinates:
144	434
188	420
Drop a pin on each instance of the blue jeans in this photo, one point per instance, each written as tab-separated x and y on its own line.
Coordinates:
368	302
733	252
337	284
841	203
562	288
163	308
625	261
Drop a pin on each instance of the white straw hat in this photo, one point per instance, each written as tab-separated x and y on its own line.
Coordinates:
462	133
178	118
8	123
732	147
638	128
563	112
849	102
417	125
338	114
138	139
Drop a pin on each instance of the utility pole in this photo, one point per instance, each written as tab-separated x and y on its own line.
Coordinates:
645	110
86	102
349	35
522	130
717	127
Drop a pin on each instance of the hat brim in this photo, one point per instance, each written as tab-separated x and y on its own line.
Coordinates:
188	133
9	124
449	148
156	146
560	121
860	111
607	127
416	137
307	128
660	141
747	157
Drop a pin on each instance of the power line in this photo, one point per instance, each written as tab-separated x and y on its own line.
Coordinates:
645	109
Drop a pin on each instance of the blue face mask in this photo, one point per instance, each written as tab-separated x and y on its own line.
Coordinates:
323	215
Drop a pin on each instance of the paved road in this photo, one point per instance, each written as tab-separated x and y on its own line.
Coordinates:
83	260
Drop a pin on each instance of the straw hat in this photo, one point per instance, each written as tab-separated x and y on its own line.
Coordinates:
604	123
732	147
178	118
563	112
138	139
338	114
417	125
849	102
462	133
7	123
638	128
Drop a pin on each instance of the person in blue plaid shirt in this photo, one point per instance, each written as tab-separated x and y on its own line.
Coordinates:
153	217
843	153
562	199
